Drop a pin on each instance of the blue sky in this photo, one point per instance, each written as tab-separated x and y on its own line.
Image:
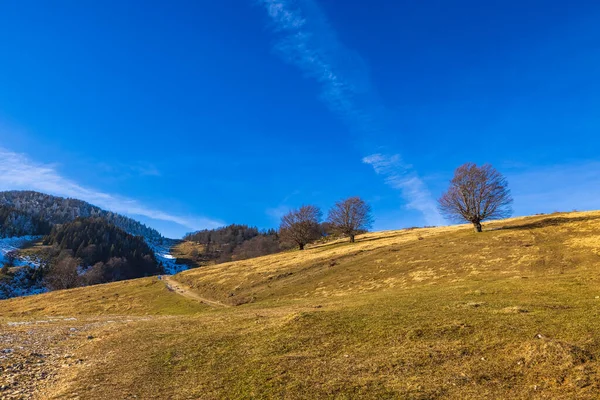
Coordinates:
194	114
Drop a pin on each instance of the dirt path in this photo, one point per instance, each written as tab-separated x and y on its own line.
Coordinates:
186	291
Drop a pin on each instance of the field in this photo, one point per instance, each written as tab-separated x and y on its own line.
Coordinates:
186	252
430	313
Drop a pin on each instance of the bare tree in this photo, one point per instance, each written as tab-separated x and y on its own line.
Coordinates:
10	258
63	274
350	217
476	194
5	270
94	274
301	226
9	262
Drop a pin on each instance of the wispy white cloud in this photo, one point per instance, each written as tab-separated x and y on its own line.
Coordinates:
18	172
146	169
311	45
399	176
127	171
306	41
277	212
282	14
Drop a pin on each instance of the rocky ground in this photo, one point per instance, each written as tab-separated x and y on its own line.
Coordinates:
33	354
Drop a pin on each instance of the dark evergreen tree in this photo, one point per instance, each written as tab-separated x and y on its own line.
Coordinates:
136	259
16	223
58	210
235	242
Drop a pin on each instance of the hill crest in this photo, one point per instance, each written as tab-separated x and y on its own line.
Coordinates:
59	210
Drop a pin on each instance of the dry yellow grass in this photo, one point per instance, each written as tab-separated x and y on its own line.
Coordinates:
186	252
417	314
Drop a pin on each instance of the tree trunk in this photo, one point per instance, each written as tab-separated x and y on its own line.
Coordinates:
301	246
351	238
477	226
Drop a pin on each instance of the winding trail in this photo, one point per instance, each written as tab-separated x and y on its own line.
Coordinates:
186	291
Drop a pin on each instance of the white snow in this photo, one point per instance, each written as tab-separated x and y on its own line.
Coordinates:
20	284
163	256
15	243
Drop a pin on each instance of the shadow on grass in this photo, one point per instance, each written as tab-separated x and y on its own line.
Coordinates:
398	233
547	222
188	262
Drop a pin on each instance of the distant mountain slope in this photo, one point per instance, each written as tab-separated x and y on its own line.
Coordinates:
233	242
104	250
59	210
86	251
15	223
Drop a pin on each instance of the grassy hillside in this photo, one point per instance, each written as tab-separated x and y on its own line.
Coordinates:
418	314
190	254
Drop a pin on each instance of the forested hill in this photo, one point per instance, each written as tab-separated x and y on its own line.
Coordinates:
16	223
59	210
234	242
111	253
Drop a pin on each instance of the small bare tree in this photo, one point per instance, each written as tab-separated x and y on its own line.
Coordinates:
63	274
10	258
5	270
350	216
476	194
301	226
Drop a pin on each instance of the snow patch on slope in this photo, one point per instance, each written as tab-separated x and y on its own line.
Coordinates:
15	243
163	255
21	283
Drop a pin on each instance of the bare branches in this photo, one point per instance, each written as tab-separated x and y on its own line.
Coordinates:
301	226
350	216
476	194
63	274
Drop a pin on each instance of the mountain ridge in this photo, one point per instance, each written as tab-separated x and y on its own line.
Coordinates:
59	210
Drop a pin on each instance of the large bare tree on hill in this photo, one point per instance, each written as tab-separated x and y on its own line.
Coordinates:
476	194
350	216
301	226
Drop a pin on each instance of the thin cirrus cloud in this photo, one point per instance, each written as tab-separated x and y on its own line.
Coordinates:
399	176
17	171
305	40
276	213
